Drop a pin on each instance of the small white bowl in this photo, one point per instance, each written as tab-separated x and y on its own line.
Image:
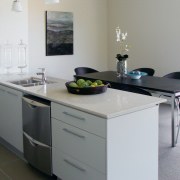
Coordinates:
134	75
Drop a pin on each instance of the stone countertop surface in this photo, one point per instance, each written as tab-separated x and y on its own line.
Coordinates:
107	105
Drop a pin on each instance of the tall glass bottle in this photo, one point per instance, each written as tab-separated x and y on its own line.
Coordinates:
22	56
7	56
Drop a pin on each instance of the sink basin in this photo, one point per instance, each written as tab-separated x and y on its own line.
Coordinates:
32	81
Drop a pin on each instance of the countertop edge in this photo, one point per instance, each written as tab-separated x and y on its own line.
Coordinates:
105	116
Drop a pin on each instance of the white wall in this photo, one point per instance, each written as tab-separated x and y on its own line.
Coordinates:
153	32
90	37
14	26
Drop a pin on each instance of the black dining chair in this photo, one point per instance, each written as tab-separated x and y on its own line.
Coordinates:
84	70
175	75
149	71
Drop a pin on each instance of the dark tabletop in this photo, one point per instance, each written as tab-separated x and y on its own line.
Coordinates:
146	82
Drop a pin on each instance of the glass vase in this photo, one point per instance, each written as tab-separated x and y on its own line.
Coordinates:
22	56
7	56
122	68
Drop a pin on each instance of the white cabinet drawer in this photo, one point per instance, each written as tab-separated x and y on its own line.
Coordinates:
68	168
84	146
88	122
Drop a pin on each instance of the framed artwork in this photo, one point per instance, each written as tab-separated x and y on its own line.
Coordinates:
59	33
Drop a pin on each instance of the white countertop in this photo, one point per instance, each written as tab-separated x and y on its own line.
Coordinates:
110	104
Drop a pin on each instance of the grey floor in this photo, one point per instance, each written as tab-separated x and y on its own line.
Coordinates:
13	168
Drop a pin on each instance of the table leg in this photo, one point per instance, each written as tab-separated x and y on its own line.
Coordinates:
173	125
173	106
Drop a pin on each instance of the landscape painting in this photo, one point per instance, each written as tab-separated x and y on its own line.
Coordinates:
59	33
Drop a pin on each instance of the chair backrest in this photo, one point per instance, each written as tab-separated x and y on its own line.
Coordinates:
84	70
149	71
173	75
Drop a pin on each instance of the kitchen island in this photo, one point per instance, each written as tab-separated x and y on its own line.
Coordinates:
108	136
159	86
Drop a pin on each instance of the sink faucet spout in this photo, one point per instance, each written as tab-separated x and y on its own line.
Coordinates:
42	73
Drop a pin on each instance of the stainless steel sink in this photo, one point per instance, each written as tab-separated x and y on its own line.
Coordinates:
28	82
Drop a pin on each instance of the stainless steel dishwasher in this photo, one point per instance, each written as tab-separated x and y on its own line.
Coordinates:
37	133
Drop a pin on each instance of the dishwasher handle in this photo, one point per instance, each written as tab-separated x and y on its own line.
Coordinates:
34	103
34	142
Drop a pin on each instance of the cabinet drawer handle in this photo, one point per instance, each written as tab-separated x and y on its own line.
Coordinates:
73	133
74	116
33	142
74	165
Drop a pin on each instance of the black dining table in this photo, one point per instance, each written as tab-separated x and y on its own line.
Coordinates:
161	86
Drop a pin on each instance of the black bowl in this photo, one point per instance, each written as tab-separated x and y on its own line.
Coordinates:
86	90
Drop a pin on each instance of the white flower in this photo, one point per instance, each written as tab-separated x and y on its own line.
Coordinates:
126	47
120	38
118	34
124	35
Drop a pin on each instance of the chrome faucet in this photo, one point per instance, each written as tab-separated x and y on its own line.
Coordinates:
43	74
